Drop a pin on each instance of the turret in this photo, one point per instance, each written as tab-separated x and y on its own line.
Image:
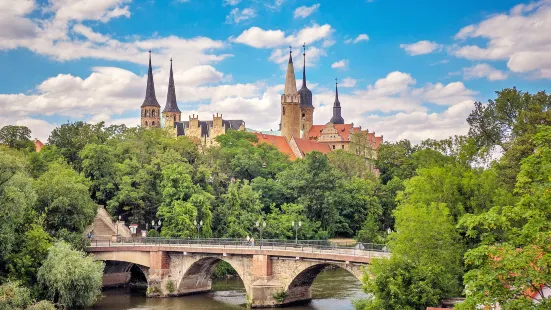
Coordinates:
306	107
337	118
171	111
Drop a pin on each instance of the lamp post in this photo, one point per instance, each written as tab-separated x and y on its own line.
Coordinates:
157	225
198	225
261	228
297	226
118	228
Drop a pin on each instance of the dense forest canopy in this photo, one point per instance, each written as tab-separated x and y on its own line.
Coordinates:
458	222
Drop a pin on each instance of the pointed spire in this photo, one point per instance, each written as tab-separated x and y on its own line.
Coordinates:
337	102
150	98
337	118
171	103
304	67
290	80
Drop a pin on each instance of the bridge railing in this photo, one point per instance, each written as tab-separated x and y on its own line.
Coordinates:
314	246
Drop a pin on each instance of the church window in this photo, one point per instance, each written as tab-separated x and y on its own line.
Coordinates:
333	147
145	123
174	118
153	123
146	113
153	114
303	115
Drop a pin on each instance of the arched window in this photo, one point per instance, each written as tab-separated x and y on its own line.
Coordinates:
153	123
153	114
145	123
175	118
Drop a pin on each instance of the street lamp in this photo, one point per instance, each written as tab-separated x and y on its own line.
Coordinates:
198	225
156	226
261	228
299	224
118	228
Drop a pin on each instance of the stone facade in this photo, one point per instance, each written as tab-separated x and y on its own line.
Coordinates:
290	116
151	117
205	132
306	121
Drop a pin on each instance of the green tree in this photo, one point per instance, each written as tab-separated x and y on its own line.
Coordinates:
350	164
17	137
25	263
70	278
395	160
64	200
513	258
98	164
14	296
279	224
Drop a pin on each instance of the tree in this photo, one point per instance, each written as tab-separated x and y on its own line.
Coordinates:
183	202
17	198
395	160
25	263
98	164
64	200
70	278
350	164
279	224
426	261
17	137
71	138
14	296
513	260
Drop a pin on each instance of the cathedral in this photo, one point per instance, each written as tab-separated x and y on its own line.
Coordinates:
298	135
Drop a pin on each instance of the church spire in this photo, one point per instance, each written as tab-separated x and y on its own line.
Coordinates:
150	98
337	118
304	67
290	80
171	104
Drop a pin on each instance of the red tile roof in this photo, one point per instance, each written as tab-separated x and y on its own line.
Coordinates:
38	145
278	141
343	129
307	146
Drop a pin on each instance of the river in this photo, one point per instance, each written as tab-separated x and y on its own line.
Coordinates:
332	289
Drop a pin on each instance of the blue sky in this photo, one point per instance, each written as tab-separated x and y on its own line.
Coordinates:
407	69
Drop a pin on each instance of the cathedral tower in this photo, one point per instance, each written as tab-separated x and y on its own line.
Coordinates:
290	104
171	112
337	118
306	107
150	107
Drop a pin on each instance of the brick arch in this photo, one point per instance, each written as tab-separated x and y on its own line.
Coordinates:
197	277
300	286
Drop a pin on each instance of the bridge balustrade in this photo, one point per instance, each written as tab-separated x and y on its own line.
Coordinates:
313	246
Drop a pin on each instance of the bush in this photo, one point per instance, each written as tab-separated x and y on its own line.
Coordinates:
222	270
13	296
71	278
42	305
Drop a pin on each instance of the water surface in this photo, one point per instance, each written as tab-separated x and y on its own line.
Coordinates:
332	289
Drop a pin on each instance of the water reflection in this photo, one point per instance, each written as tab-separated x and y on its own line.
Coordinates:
332	289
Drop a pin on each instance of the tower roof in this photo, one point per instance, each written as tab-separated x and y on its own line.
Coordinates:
290	80
150	98
171	104
304	92
337	118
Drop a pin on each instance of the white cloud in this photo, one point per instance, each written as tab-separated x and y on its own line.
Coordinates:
359	38
89	34
260	38
341	64
521	37
40	129
231	2
305	11
484	71
275	5
313	55
348	82
236	16
421	47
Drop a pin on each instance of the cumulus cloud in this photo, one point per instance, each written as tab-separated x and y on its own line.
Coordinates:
359	38
348	82
421	47
281	56
260	38
236	16
341	64
305	11
484	71
521	37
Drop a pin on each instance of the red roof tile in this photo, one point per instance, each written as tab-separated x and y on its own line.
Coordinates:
307	146
343	129
278	141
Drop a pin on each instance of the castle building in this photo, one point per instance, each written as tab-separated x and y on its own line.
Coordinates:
150	107
290	104
306	106
203	132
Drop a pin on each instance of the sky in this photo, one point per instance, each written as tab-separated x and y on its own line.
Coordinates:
406	69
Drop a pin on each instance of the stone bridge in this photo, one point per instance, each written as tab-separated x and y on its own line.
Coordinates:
273	275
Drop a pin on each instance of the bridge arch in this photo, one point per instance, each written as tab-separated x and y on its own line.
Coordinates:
197	277
299	287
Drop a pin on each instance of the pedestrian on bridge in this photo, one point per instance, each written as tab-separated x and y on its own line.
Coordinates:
252	242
